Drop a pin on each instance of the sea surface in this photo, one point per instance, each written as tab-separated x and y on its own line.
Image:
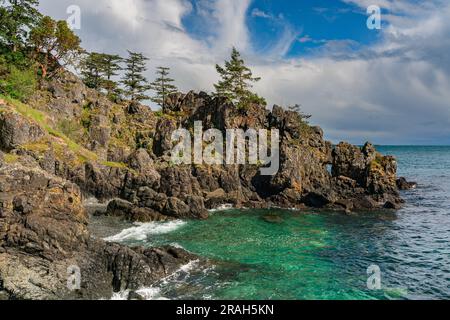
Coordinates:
284	254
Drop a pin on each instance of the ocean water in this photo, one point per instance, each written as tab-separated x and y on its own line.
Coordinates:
282	254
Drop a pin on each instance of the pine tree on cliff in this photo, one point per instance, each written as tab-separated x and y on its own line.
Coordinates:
162	86
97	70
17	17
111	66
302	117
92	70
236	82
134	82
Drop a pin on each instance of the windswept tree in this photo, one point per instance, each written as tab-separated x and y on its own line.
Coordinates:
92	70
97	70
17	18
303	117
236	82
162	86
111	67
111	63
55	45
135	84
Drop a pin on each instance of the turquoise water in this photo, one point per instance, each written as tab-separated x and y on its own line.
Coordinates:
280	254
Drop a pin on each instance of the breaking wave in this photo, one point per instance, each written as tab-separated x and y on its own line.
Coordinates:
141	231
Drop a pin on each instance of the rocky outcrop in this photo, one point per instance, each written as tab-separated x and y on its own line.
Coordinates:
44	238
127	211
16	130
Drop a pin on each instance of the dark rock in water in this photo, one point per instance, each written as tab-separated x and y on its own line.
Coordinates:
193	208
4	296
392	205
133	295
273	219
403	184
316	200
128	211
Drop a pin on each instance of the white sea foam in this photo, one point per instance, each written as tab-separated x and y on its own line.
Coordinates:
224	207
141	231
154	293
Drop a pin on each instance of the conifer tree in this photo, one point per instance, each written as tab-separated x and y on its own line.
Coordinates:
297	109
111	64
92	70
162	86
236	82
97	70
134	81
17	18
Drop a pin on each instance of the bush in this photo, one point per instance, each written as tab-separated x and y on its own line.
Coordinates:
18	84
71	129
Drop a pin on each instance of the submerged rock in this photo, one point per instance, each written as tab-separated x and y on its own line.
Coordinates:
272	219
403	184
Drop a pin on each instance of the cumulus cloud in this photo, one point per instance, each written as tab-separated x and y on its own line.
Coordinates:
394	92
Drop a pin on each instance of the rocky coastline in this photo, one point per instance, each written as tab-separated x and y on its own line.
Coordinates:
70	142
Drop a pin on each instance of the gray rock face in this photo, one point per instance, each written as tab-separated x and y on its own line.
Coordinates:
43	234
15	130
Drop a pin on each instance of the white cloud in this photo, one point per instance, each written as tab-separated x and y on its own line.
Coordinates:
261	14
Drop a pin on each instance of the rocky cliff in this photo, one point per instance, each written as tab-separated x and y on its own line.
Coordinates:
70	142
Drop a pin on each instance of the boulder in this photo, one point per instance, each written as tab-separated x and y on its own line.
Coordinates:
403	184
16	130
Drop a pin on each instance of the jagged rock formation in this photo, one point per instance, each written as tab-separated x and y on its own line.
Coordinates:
43	233
70	142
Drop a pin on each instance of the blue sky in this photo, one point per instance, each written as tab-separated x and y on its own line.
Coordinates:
315	23
388	86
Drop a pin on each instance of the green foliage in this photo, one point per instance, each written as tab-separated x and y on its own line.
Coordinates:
71	129
20	59
16	83
301	118
17	17
97	70
111	65
134	82
236	82
55	46
86	117
162	86
92	70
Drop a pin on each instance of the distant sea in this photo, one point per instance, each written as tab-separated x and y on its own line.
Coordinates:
283	254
